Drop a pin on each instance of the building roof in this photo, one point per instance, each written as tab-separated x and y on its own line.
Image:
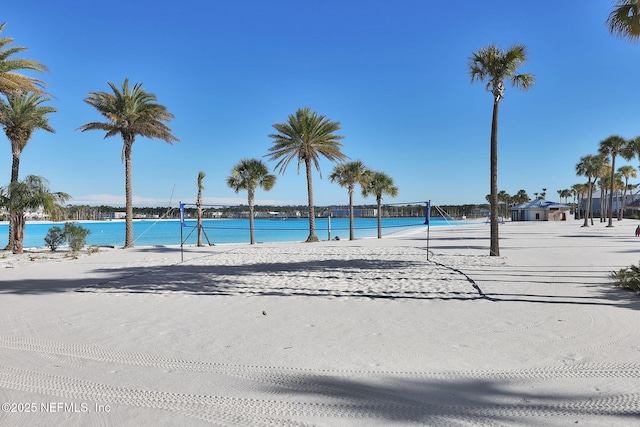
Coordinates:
540	204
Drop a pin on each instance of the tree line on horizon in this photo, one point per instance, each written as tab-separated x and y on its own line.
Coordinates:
131	111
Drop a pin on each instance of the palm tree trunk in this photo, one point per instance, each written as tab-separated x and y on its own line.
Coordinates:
494	249
17	218
613	172
624	200
128	235
379	217
587	205
251	196
199	213
15	172
312	214
351	234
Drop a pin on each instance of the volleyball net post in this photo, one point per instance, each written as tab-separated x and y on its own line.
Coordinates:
427	221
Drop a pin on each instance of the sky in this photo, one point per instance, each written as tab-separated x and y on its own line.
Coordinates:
394	74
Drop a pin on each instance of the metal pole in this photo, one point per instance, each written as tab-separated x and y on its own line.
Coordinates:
181	241
428	215
329	227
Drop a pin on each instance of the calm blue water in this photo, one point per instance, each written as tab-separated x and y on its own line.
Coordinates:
167	232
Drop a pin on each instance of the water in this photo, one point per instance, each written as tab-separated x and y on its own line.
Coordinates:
167	232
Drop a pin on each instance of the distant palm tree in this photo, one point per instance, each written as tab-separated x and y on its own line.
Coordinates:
20	115
624	20
348	175
10	81
495	65
130	112
250	174
306	137
201	176
379	184
590	166
29	194
612	146
521	197
579	190
626	172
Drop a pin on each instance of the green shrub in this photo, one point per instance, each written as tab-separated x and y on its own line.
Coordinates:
54	238
628	278
75	235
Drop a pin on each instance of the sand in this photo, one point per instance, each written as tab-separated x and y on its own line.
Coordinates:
364	333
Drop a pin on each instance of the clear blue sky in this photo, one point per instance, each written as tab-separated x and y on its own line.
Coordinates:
394	74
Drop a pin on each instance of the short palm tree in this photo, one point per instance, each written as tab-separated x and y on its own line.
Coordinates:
20	115
624	20
349	175
29	194
612	146
579	190
495	65
10	81
201	176
130	112
626	172
306	137
379	184
250	174
590	166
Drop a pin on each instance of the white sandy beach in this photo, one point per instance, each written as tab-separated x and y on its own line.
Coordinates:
339	333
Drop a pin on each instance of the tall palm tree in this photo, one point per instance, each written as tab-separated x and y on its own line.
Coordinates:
624	20
495	65
590	166
612	146
29	194
130	112
250	174
626	172
10	81
306	137
379	184
348	175
201	176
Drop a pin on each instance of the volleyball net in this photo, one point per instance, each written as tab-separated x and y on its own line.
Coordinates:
231	224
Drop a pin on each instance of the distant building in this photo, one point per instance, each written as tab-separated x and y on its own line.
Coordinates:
540	210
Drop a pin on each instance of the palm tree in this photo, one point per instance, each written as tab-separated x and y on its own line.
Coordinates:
201	176
379	184
612	146
31	193
624	20
250	174
495	65
130	112
521	197
20	115
348	175
306	136
10	81
626	172
579	190
590	166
